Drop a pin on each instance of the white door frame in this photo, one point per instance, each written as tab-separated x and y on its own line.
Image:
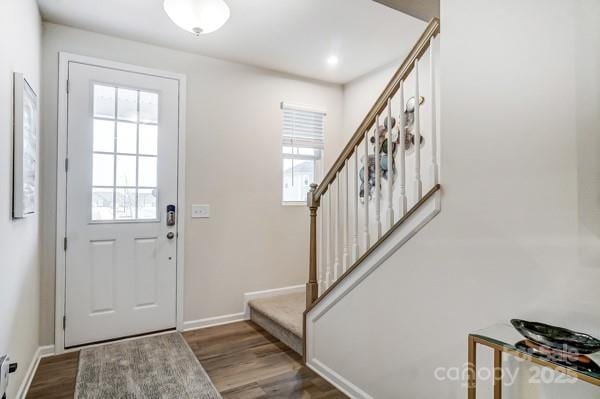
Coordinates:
61	182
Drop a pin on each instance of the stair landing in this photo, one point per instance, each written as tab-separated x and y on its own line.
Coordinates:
282	317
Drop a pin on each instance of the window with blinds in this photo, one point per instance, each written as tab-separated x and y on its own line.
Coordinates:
303	137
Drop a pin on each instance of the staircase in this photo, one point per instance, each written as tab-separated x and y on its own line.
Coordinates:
369	204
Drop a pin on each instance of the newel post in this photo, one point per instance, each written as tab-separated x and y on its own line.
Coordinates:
312	287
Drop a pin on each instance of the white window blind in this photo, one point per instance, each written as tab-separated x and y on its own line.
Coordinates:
303	127
303	136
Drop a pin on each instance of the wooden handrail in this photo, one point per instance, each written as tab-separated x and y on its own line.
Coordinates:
433	28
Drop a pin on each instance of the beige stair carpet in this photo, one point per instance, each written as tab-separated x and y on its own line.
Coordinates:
281	316
157	367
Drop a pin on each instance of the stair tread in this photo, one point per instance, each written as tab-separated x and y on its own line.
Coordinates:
286	310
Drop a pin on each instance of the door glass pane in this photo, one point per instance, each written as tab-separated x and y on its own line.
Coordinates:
127	105
125	154
104	135
102	203
126	137
126	170
146	203
104	101
147	177
125	206
103	170
148	140
148	107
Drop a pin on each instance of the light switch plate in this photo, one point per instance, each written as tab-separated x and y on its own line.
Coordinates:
200	211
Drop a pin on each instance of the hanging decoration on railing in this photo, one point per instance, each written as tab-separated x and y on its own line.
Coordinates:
370	174
384	135
383	146
410	121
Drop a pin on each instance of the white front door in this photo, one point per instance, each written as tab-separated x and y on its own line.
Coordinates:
121	178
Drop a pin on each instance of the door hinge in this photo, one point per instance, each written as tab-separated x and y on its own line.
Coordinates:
64	322
66	164
65	243
68	85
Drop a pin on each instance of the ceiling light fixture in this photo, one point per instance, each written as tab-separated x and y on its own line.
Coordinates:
333	60
197	16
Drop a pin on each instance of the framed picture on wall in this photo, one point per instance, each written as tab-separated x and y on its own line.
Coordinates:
25	148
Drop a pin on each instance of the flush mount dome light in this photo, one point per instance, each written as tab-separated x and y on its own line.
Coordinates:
197	16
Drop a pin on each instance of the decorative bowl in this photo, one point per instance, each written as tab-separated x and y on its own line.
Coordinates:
580	363
557	337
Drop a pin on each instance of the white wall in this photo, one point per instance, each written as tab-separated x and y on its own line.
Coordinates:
361	93
251	242
587	122
520	200
20	51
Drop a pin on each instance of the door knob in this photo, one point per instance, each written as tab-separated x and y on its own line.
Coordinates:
170	235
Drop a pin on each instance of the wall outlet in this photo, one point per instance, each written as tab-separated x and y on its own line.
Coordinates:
4	367
201	211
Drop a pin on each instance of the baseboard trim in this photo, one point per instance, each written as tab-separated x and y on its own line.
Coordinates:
42	351
47	350
245	315
213	321
337	380
270	293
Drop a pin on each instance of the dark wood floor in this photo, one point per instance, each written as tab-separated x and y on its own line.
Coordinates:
243	361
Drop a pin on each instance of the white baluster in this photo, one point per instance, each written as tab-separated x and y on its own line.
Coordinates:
320	250
434	163
346	219
329	238
417	133
390	169
366	189
402	154
377	181
356	200
336	240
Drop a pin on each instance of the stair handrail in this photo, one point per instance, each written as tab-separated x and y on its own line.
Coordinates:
433	28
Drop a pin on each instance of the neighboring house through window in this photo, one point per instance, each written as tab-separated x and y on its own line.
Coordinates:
302	148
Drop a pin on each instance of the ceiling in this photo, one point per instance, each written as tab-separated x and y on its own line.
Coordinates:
292	36
422	9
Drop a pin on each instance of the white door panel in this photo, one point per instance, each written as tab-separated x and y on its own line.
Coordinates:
122	157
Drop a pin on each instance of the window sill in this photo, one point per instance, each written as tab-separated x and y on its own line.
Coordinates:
293	203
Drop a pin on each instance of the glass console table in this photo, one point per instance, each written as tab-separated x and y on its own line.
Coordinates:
504	339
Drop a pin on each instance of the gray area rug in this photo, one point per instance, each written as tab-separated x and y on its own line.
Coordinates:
161	367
